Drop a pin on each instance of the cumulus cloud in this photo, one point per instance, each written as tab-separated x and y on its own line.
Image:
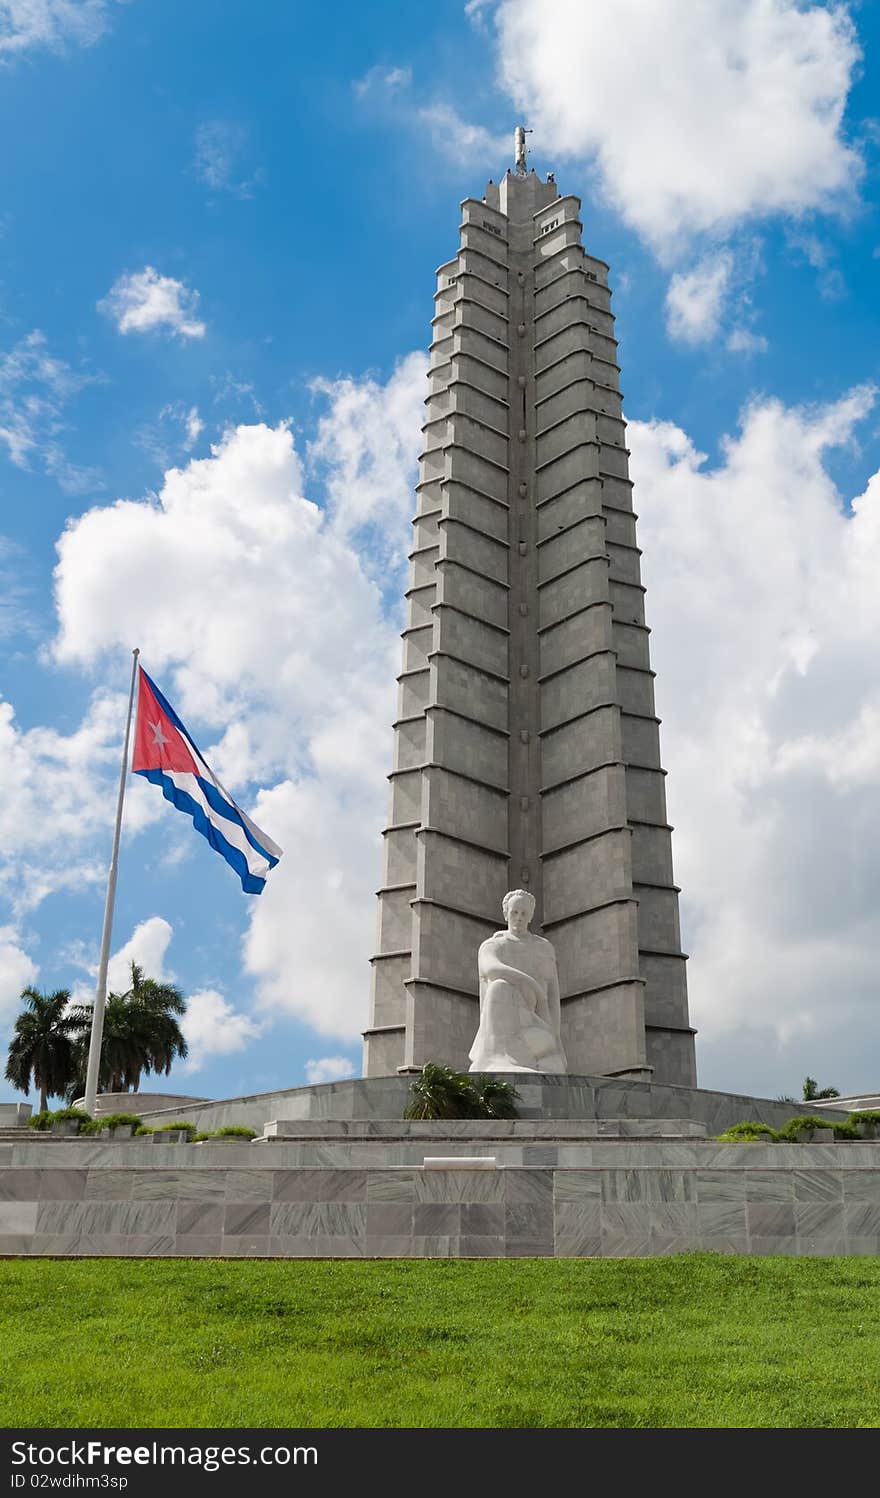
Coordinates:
212	1027
753	128
26	25
144	301
146	946
298	654
56	801
695	299
17	971
764	608
296	669
363	450
329	1069
310	937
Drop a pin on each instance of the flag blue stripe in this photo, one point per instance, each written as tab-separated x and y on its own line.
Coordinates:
228	809
252	884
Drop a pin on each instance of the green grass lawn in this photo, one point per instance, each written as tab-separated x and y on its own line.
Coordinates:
694	1340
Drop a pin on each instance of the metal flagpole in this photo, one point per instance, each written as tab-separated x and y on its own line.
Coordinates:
101	990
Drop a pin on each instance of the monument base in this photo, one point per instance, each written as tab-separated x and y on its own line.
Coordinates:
593	1167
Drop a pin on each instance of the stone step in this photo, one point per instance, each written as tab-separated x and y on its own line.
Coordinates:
436	1131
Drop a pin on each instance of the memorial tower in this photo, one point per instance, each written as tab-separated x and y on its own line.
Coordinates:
526	741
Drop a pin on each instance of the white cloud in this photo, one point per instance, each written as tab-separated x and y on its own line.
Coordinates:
389	90
142	301
364	451
310	935
17	971
212	1027
286	580
467	144
146	946
744	341
382	79
221	147
194	426
56	801
296	668
176	429
27	24
697	117
765	613
329	1069
35	388
695	299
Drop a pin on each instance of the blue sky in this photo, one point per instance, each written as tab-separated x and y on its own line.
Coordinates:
218	234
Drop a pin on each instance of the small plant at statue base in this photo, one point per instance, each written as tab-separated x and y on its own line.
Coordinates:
41	1121
499	1099
183	1127
440	1092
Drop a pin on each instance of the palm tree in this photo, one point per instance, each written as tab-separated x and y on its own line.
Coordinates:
160	1005
43	1044
812	1090
141	1034
441	1092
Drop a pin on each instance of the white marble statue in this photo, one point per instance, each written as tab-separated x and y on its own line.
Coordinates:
519	997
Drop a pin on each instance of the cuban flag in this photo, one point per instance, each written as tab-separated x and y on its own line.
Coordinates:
165	754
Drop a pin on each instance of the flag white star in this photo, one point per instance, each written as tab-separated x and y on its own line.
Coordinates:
159	738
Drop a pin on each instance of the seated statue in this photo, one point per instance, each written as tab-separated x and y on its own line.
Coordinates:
519	997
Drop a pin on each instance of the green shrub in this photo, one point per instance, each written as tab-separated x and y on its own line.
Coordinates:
750	1130
142	1129
44	1120
169	1128
868	1116
117	1121
808	1121
228	1131
849	1129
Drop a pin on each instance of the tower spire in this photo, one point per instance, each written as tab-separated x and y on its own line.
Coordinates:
519	149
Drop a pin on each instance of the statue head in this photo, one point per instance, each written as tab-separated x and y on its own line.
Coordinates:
518	907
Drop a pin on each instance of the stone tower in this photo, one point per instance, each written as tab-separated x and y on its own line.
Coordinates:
526	742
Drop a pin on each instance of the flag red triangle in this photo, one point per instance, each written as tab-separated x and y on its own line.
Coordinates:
158	745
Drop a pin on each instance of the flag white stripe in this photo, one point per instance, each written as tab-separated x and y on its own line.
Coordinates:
233	833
